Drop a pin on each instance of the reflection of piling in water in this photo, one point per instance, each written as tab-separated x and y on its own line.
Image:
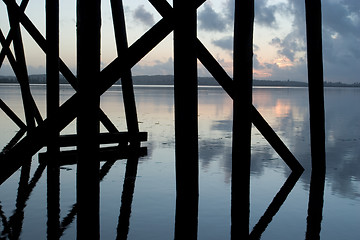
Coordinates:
53	101
88	71
317	117
90	84
186	124
242	103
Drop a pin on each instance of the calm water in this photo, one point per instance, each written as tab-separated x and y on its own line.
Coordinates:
153	205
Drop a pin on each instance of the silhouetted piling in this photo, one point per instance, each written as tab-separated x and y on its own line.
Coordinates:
126	81
127	198
12	115
317	117
186	124
316	83
52	66
53	101
88	71
22	74
242	111
53	198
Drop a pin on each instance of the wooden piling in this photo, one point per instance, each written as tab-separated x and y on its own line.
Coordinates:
127	198
52	65
242	118
317	117
21	65
316	83
12	115
88	71
53	101
186	123
126	80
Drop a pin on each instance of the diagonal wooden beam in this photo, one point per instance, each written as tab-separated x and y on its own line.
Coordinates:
17	71
21	62
225	81
12	115
115	70
67	112
66	72
126	81
9	37
260	123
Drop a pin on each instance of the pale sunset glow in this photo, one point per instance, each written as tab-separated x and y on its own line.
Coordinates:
279	37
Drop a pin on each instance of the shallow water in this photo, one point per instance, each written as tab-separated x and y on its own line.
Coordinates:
153	204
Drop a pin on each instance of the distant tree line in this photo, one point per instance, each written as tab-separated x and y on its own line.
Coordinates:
169	80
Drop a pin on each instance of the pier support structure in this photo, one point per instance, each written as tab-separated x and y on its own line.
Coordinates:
91	82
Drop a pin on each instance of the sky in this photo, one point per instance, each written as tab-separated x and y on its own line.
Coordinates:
279	37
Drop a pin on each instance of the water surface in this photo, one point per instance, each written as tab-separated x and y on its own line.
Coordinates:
153	204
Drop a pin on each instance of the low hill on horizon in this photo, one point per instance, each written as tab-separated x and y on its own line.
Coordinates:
169	80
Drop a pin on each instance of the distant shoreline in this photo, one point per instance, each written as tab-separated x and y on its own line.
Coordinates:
169	80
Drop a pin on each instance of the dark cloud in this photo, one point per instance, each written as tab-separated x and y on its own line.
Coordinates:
289	45
210	20
144	16
257	65
265	15
341	38
225	43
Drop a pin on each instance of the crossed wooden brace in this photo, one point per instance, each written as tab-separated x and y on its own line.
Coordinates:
34	141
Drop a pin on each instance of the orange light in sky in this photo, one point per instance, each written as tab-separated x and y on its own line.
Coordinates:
283	62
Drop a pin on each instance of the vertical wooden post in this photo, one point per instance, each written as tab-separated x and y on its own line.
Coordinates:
126	80
316	82
242	100
127	198
186	123
317	116
52	59
22	71
88	70
52	101
53	197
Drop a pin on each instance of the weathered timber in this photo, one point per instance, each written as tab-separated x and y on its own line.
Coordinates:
316	83
13	141
112	153
127	198
105	138
186	120
52	63
67	111
40	40
19	76
12	115
9	37
205	57
242	108
126	80
274	206
52	105
30	108
88	127
260	123
317	117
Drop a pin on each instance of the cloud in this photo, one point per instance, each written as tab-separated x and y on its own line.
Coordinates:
142	15
158	67
225	43
265	14
210	20
341	38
